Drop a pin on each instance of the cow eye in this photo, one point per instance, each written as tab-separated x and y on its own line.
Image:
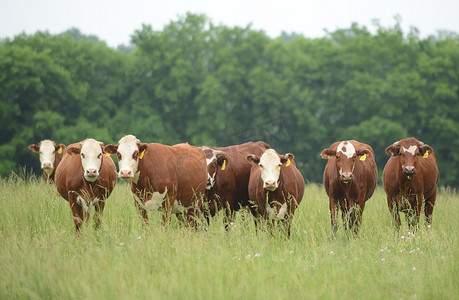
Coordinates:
82	155
261	166
99	156
119	155
135	154
399	154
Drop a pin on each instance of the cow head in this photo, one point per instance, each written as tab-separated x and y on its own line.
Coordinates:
47	150
91	153
408	151
270	166
129	151
215	160
345	155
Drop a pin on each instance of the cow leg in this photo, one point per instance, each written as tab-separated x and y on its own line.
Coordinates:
358	213
229	212
417	210
429	206
99	208
141	209
333	215
394	213
77	212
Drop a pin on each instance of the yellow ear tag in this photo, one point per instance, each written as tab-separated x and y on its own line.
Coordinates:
142	154
363	157
107	154
224	165
288	162
426	154
59	150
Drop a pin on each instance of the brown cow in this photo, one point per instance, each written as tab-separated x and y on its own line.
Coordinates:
276	186
170	178
85	177
228	177
410	175
50	157
350	178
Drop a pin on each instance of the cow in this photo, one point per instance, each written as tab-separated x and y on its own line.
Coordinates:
168	178
409	177
85	178
276	186
350	178
228	177
50	157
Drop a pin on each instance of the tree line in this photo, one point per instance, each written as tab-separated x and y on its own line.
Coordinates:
215	85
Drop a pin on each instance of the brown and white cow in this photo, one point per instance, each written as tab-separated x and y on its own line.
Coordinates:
50	157
228	173
167	178
276	186
85	178
350	178
410	175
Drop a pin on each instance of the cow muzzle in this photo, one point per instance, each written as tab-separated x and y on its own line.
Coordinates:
346	177
270	185
91	174
409	170
47	165
125	174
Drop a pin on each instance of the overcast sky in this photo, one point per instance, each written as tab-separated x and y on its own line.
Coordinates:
114	21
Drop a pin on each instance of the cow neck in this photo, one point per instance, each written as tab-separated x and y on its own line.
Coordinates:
405	188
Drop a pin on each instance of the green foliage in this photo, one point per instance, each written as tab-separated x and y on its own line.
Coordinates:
194	81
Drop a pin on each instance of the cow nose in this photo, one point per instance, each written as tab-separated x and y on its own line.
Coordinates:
91	172
346	177
47	165
125	174
410	170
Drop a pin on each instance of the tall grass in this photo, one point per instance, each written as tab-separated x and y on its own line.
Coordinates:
40	257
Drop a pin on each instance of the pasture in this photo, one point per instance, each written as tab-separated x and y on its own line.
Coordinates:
40	257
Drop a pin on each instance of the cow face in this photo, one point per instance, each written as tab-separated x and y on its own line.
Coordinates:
270	167
47	150
345	156
216	161
408	151
129	151
91	153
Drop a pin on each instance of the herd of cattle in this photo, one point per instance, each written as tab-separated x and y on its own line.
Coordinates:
200	181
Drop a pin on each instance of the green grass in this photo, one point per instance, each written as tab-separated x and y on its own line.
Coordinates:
40	257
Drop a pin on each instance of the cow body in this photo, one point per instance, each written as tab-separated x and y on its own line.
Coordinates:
410	175
350	178
167	178
85	177
276	186
50	157
228	177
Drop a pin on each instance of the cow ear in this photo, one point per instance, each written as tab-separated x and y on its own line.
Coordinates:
362	152
34	148
142	147
222	159
393	149
424	148
111	149
59	148
286	157
73	150
253	158
327	154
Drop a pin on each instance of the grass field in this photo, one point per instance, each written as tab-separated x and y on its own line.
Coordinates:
40	257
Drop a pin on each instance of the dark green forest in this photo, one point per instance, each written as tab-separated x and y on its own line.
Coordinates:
213	85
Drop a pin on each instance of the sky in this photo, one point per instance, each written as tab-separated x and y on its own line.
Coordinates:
114	21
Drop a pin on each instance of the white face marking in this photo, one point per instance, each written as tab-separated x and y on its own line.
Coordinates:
411	149
91	159
156	201
47	155
211	179
270	166
127	146
350	150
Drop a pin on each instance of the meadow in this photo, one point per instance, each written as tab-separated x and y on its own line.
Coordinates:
40	257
